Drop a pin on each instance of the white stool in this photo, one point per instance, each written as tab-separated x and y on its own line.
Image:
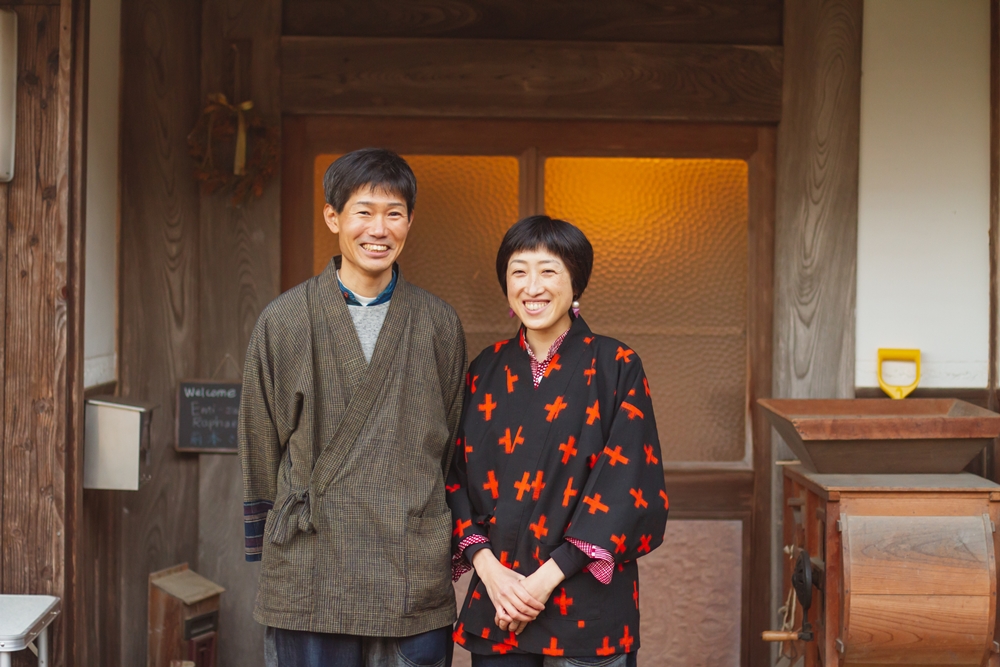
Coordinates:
22	619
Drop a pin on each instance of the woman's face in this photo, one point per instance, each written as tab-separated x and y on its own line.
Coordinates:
539	289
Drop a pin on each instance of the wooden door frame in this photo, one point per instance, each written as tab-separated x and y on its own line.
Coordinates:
739	491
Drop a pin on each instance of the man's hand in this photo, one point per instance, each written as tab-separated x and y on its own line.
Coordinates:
515	606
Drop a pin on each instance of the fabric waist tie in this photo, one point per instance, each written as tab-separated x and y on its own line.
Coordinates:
288	524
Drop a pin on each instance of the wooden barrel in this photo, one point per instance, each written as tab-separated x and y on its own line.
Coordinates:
918	590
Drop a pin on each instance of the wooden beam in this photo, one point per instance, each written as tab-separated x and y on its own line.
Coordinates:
710	495
691	21
530	79
816	217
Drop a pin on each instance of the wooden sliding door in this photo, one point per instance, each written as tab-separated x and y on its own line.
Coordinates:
681	218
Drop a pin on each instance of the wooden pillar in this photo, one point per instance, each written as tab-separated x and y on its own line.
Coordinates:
993	398
240	274
816	214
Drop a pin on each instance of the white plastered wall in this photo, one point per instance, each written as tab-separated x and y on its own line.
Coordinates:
923	218
100	295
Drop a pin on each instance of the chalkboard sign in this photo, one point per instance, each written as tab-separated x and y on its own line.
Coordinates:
207	412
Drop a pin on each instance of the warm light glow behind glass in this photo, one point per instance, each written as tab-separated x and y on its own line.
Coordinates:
670	280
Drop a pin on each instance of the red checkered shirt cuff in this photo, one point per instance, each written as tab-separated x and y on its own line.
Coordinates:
602	564
459	565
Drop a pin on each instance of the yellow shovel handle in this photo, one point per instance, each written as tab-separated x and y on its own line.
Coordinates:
892	354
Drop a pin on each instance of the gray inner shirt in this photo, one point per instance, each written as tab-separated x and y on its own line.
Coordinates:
368	323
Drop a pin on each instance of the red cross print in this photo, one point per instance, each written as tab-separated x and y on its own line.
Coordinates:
637	494
563	602
633	411
619	541
491	485
650	456
508	444
452	488
510	640
595	504
537	485
591	460
593	412
506	563
458	636
635	593
666	501
645	384
627	641
644	543
631	392
624	354
475	596
568	449
511	379
553	365
588	340
591	372
523	485
606	649
472	382
538	556
554	408
501	648
460	527
486	633
539	528
487	406
553	648
569	492
497	346
615	456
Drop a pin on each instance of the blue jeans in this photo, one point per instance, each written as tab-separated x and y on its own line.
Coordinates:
531	660
291	648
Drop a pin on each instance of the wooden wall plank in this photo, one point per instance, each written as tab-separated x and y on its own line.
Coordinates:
530	79
159	292
4	230
993	464
816	213
240	260
33	481
690	21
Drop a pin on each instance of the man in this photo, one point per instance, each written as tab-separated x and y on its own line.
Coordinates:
352	393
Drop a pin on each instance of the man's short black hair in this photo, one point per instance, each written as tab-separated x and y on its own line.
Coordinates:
377	168
562	239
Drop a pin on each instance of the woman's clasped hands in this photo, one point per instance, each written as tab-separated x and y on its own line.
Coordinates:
518	599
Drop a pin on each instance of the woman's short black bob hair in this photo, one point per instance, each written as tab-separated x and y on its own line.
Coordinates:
375	168
562	239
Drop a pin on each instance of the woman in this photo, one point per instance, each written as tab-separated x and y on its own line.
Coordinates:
557	487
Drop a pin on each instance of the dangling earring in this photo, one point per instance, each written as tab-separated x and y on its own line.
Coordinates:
576	309
510	312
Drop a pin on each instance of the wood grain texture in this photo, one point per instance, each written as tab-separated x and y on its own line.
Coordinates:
816	208
34	449
159	291
760	331
74	18
693	21
926	555
992	464
530	79
240	268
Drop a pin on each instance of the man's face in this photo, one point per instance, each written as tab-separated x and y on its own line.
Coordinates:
372	229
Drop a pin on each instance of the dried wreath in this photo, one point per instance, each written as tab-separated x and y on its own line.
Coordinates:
225	129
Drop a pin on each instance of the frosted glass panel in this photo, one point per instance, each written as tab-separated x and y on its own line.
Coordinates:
670	279
690	596
464	206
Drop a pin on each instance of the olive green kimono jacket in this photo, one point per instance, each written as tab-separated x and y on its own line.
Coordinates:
344	462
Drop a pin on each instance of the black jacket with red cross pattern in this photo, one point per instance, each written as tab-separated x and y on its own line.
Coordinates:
578	457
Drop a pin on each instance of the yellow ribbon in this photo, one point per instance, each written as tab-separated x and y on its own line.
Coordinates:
240	158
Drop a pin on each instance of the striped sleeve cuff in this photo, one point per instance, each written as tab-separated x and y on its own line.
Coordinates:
602	565
254	518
